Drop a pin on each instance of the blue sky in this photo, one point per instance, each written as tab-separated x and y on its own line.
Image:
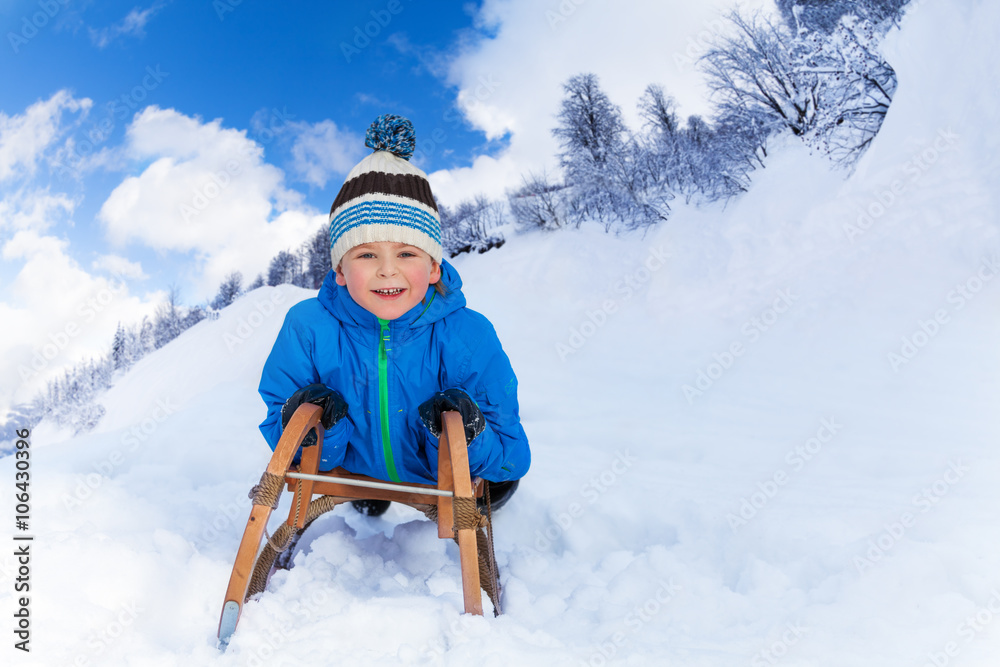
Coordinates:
150	143
254	65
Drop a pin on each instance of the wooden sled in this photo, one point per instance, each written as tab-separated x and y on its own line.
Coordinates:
452	503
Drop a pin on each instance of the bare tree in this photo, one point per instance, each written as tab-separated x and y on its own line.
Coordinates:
661	143
753	69
592	135
538	203
857	86
471	226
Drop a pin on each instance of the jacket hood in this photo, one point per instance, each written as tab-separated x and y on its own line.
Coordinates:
336	299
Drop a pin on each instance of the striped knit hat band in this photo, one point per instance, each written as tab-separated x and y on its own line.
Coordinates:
385	198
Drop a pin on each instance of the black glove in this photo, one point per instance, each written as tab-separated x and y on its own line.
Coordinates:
452	399
334	407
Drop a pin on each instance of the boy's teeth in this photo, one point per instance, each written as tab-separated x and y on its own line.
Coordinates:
389	292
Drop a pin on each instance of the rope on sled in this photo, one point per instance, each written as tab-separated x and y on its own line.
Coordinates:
491	565
466	513
282	538
468	516
267	492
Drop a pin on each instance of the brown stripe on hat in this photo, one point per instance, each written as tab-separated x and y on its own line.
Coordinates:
411	186
385	198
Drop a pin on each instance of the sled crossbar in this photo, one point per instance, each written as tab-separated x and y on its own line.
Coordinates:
430	491
452	503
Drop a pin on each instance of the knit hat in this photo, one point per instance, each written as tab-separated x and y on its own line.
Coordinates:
385	198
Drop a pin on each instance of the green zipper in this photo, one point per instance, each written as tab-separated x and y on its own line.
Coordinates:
383	398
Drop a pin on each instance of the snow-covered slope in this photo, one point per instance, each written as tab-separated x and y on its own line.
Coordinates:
761	435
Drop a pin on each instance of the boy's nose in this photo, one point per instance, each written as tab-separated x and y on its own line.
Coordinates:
387	268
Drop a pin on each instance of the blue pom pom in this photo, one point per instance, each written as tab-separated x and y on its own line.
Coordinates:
391	133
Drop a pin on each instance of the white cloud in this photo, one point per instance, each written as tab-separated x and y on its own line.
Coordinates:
62	313
119	266
208	191
487	175
54	312
33	209
322	150
133	25
25	138
510	83
200	189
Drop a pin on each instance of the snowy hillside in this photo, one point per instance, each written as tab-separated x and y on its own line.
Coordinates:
761	435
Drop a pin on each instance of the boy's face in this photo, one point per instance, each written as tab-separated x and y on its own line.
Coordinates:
387	279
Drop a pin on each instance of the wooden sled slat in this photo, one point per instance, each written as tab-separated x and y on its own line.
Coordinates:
452	447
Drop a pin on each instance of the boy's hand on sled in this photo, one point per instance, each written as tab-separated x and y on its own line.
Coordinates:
334	407
452	399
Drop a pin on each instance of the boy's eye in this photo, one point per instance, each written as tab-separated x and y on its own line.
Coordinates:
407	253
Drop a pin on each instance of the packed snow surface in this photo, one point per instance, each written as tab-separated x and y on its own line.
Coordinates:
765	434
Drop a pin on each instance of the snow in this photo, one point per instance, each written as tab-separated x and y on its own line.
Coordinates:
805	501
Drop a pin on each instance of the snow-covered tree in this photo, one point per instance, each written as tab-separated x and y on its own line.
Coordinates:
70	400
146	341
119	350
538	203
824	15
592	137
257	282
826	82
133	347
101	373
752	71
86	417
856	87
884	13
285	268
661	142
742	145
813	15
229	290
193	316
316	258
639	195
168	321
471	225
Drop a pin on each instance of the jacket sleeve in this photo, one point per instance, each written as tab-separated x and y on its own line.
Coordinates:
288	368
501	451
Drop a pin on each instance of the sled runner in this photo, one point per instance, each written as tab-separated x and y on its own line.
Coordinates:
452	504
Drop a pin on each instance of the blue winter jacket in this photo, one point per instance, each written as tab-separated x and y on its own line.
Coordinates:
384	369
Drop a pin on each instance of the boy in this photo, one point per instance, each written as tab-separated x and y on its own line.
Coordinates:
388	343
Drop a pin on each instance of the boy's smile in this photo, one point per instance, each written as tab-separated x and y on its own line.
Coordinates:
386	278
